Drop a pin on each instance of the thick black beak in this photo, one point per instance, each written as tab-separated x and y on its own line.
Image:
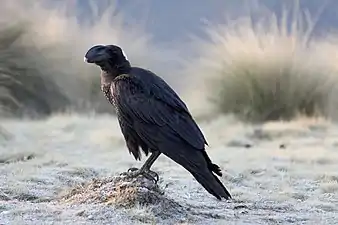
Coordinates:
96	58
96	54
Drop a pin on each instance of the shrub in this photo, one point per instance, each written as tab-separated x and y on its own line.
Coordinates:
24	88
41	57
264	70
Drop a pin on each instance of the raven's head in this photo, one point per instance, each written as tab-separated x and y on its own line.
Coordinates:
110	58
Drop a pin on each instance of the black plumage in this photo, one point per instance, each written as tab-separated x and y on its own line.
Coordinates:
153	118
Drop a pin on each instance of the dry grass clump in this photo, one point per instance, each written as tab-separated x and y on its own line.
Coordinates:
269	68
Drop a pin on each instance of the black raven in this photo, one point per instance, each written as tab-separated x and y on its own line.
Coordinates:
153	118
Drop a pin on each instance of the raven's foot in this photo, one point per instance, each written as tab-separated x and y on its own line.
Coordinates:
150	175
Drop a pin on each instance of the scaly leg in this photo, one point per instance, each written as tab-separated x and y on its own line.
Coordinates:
145	169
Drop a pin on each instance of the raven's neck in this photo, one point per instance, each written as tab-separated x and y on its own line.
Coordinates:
109	73
106	78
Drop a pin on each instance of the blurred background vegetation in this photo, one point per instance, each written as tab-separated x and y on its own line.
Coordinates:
259	60
41	57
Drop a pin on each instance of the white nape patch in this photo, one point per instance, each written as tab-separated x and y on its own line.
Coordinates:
84	59
124	54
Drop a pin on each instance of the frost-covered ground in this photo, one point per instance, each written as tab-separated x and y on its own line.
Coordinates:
279	173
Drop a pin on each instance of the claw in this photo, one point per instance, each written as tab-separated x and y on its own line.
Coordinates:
149	177
148	174
154	175
132	169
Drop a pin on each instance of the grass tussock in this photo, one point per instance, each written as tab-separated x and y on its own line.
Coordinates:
269	68
41	56
120	191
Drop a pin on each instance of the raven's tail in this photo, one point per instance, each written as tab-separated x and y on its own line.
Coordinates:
200	166
208	180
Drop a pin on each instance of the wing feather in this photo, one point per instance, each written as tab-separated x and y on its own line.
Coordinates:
147	107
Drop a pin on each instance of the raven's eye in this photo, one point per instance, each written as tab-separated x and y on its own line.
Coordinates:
111	52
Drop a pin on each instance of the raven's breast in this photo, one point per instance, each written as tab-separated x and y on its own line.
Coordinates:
105	88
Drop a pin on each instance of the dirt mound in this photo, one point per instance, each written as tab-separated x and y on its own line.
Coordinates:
122	191
119	190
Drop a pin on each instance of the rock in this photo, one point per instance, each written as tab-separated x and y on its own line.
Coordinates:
4	197
282	146
80	213
240	143
90	217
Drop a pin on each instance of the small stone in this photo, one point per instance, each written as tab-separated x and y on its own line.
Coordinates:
90	217
247	145
5	212
282	146
4	197
80	213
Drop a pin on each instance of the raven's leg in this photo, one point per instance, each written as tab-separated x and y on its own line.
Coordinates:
148	163
145	169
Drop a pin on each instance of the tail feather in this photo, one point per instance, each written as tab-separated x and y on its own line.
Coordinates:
213	167
199	165
210	182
